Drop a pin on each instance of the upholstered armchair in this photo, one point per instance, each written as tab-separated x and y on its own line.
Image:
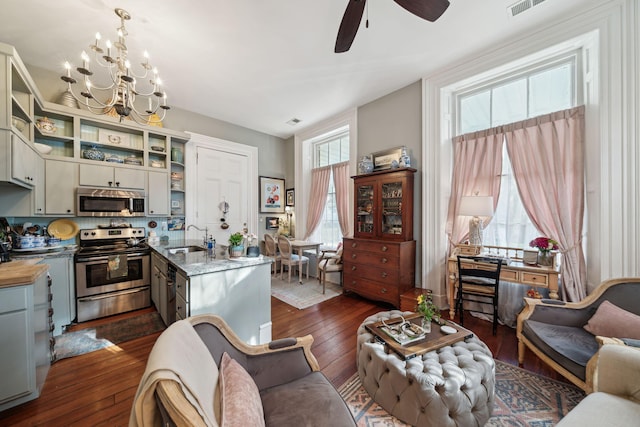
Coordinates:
555	330
615	400
330	262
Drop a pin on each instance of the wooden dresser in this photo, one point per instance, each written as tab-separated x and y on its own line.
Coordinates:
378	269
379	260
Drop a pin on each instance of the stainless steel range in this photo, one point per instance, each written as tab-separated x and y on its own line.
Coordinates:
112	272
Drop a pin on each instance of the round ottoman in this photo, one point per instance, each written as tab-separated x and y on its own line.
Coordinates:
450	386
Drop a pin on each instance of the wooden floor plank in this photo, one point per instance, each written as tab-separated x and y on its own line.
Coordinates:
97	389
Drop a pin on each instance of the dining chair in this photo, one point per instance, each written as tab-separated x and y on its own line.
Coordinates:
288	258
478	282
330	262
271	249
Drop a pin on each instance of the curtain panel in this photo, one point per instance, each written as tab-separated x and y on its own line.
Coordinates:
341	181
547	155
476	171
319	189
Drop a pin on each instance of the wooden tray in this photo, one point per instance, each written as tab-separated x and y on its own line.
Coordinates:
432	341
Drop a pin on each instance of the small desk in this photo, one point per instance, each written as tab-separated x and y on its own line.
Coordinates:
515	272
300	246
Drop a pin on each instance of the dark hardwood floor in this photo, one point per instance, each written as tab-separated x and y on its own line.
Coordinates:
97	389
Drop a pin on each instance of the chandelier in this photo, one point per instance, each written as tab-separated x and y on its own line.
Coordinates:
123	85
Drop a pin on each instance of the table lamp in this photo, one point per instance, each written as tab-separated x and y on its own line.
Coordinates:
475	207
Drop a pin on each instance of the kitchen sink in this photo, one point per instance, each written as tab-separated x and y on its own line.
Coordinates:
185	249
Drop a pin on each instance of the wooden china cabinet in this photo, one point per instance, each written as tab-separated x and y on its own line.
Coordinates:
379	261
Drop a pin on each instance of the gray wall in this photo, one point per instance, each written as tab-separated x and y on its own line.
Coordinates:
391	121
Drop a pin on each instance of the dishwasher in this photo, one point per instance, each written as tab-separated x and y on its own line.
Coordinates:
171	294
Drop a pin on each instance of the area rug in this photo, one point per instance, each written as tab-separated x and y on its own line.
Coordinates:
302	295
522	399
75	343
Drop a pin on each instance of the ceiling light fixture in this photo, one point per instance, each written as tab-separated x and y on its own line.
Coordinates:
124	85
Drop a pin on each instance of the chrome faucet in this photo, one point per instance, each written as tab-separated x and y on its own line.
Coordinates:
206	233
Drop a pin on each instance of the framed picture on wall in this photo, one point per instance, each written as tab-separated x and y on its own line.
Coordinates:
271	195
272	223
291	196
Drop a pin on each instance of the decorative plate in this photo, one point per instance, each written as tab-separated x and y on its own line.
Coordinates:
448	329
63	229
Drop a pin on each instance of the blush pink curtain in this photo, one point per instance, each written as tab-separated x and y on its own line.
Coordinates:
547	155
476	171
341	181
317	200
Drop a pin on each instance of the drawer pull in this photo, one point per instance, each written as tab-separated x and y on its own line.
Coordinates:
354	245
384	260
353	282
385	249
353	256
353	268
383	290
384	274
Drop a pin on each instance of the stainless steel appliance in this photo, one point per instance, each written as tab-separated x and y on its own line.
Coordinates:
110	202
112	275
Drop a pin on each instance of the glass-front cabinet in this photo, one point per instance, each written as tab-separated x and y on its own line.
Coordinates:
384	205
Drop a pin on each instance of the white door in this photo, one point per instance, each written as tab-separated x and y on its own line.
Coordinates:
225	172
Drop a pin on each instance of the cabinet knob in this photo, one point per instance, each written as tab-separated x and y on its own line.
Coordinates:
178	286
353	268
117	184
384	274
385	249
354	245
353	256
151	211
68	210
353	282
384	260
383	290
110	183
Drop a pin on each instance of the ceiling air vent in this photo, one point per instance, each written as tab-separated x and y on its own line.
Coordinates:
294	121
522	6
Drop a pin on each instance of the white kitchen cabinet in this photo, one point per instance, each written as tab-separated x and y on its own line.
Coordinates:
23	159
158	282
63	290
61	180
39	190
24	341
158	193
109	176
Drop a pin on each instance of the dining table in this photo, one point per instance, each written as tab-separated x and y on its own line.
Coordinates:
300	246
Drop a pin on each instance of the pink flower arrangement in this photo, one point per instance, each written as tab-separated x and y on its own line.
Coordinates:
544	244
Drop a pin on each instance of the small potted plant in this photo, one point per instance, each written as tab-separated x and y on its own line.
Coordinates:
235	244
429	311
545	245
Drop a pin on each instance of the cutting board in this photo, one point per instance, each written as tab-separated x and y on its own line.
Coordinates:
21	272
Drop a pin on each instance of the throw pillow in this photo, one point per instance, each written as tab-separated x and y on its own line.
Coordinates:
338	255
241	404
610	320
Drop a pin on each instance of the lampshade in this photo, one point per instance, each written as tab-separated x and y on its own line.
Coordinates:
476	206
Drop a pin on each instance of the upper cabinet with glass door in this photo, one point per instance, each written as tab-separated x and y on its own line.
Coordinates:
384	205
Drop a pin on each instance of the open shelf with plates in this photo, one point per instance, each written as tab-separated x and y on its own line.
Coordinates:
177	177
55	131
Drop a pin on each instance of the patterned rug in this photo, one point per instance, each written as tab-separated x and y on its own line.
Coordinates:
522	399
305	295
87	340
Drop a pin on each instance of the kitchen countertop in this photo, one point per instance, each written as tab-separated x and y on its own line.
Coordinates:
67	251
197	263
21	272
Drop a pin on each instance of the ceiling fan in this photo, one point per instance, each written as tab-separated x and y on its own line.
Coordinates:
425	9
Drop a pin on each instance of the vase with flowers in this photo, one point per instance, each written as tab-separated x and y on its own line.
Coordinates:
545	245
236	246
429	311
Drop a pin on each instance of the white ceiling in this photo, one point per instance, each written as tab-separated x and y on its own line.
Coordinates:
259	63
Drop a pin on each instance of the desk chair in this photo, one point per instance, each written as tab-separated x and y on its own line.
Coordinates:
271	249
478	281
330	262
290	259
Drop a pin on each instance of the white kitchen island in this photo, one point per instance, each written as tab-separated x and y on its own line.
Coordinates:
236	289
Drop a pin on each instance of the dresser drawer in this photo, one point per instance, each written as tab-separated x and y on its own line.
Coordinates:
371	258
534	279
367	271
182	308
387	248
372	289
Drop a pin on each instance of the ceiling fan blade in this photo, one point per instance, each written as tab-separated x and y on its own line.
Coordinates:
425	9
349	25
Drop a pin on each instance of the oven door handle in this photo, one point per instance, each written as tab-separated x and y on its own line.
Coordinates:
136	255
111	294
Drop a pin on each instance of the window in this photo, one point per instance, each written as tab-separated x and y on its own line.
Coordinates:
329	149
540	89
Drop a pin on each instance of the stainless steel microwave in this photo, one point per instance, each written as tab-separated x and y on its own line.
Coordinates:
110	202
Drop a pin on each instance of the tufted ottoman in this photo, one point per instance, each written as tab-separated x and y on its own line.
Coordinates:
450	386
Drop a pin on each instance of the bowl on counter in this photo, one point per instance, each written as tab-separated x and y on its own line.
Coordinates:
43	148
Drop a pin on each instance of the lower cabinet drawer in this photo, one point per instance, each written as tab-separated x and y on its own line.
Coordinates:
182	308
380	274
181	287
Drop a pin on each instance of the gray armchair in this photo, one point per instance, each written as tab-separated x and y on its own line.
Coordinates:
554	331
